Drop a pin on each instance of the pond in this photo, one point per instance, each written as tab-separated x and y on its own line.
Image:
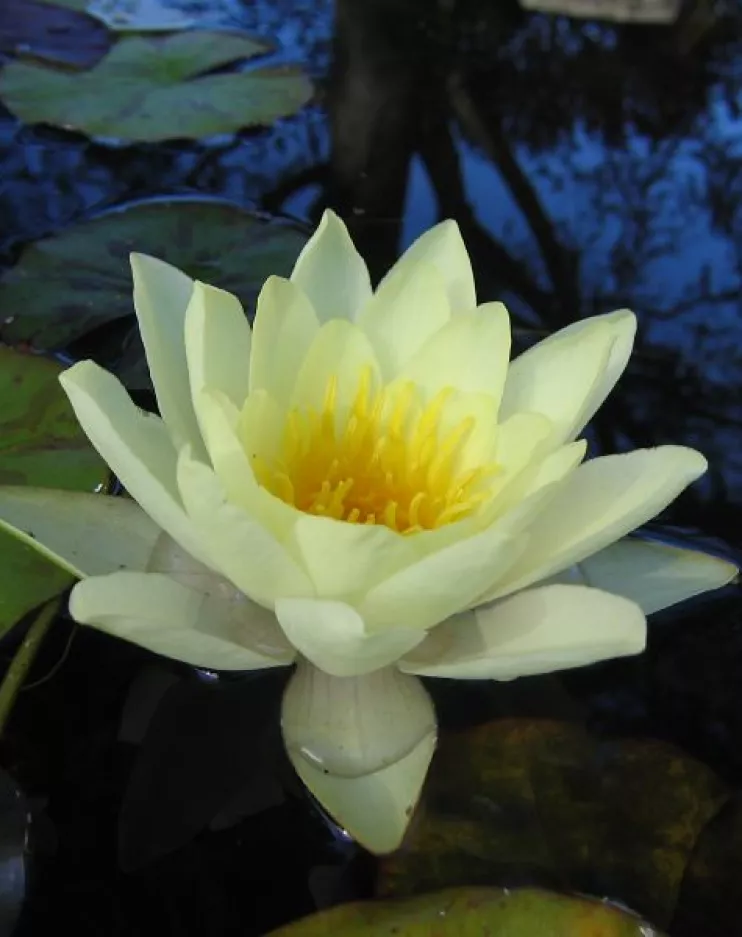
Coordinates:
591	155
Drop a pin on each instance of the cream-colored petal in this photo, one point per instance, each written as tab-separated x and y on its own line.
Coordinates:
443	248
333	637
354	726
344	559
603	500
217	628
284	328
86	534
161	297
376	809
136	445
408	307
217	341
536	631
651	574
443	583
239	546
560	377
470	353
340	353
331	271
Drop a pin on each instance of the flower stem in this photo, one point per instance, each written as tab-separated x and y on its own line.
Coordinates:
24	658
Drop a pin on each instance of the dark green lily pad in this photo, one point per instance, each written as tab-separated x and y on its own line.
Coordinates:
69	284
41	444
157	89
541	802
473	912
63	37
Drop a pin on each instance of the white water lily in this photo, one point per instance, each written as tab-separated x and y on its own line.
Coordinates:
363	484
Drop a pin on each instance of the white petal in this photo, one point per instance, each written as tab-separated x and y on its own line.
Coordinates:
86	534
238	545
136	446
443	248
217	340
536	631
651	574
408	307
333	637
441	584
470	353
603	500
563	376
331	271
217	628
353	726
161	296
285	326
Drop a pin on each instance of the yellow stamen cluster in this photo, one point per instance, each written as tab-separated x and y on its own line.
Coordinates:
388	461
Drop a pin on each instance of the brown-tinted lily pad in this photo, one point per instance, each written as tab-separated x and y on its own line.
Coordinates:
473	912
149	89
521	801
41	31
69	284
41	444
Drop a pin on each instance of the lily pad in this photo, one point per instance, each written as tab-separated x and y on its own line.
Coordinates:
472	912
139	15
69	284
149	89
41	444
541	802
63	37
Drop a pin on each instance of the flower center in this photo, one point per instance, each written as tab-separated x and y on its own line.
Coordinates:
388	460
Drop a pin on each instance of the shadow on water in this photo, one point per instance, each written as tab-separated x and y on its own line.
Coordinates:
590	166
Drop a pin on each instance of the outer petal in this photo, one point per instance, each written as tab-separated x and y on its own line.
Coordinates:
331	271
332	635
651	574
285	326
87	534
217	628
362	746
536	631
603	500
443	248
470	353
217	342
136	445
161	296
409	306
560	377
238	545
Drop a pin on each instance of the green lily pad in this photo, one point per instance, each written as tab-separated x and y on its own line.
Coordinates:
66	285
473	912
542	802
156	89
42	444
63	37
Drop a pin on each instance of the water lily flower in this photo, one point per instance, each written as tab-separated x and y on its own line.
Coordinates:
364	485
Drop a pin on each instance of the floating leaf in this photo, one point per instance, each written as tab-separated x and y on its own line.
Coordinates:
12	847
542	802
156	89
41	444
64	286
63	37
139	16
473	912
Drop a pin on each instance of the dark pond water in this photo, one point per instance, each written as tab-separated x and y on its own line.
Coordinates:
590	166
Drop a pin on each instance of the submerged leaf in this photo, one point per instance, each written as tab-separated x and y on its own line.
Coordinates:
157	89
63	37
66	285
473	912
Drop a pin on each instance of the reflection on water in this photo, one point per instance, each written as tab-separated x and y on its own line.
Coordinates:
590	166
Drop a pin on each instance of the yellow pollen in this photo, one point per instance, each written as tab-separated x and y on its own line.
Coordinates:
388	459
